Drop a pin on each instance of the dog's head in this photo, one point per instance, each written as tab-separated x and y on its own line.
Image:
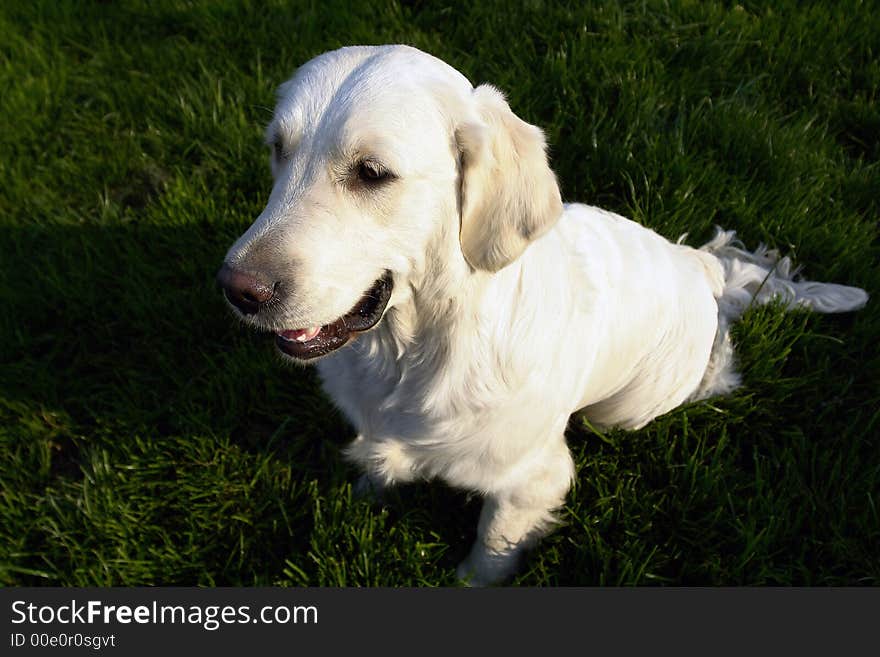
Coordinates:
388	168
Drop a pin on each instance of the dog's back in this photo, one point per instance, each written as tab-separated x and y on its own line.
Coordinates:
677	304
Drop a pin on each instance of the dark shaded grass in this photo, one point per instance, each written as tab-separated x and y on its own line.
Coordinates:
145	438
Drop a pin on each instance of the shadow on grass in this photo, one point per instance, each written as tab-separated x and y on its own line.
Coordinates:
151	439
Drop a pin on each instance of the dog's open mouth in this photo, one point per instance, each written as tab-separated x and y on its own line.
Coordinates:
306	343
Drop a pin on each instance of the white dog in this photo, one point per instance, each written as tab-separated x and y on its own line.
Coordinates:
414	221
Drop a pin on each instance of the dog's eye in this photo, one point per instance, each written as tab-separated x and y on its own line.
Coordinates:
278	149
371	172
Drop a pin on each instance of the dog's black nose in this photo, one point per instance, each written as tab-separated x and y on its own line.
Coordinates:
244	291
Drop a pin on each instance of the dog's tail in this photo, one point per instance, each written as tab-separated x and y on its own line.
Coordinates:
762	275
758	277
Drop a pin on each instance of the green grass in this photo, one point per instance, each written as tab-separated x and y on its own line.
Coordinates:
146	438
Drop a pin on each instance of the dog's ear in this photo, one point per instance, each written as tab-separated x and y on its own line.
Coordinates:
509	194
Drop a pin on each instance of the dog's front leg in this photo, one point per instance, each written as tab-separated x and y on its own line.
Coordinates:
514	518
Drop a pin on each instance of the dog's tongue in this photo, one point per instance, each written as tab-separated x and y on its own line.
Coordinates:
301	335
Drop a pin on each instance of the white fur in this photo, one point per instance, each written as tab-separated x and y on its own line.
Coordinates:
509	311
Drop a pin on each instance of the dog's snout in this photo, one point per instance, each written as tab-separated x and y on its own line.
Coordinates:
245	291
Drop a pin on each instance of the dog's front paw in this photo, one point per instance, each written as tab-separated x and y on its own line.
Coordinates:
485	568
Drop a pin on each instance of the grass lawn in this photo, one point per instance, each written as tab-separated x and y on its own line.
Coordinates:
147	438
